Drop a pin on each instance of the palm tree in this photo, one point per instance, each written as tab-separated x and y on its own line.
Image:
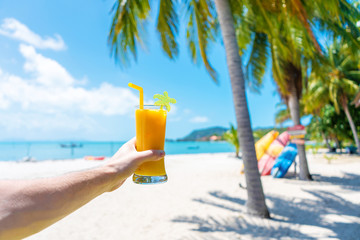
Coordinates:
337	80
282	31
231	136
241	110
125	35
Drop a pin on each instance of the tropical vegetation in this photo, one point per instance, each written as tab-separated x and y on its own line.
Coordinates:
282	31
332	128
337	81
231	136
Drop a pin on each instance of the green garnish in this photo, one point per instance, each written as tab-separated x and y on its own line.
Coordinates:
164	100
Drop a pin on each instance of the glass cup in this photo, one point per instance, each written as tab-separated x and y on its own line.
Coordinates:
150	134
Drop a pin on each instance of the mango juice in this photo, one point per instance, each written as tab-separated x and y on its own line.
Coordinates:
150	134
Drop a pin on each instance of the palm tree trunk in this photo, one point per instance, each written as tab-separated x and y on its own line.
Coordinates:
337	143
352	126
293	103
256	199
326	140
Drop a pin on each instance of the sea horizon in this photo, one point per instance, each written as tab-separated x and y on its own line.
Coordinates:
61	149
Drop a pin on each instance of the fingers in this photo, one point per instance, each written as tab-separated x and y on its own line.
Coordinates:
132	142
150	155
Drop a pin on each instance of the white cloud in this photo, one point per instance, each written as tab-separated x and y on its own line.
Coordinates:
52	89
199	119
14	29
45	70
47	99
26	125
17	121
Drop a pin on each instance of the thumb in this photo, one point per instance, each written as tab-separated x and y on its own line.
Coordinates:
150	155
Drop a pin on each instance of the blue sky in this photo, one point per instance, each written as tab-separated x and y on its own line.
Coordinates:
58	81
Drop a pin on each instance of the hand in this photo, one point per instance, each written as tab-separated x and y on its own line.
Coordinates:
126	160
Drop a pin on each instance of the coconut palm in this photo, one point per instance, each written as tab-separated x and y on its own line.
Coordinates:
338	81
231	136
282	31
241	109
201	29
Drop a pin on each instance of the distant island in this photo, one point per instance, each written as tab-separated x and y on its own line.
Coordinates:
206	134
216	134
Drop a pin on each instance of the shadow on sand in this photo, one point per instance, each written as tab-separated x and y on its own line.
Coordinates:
348	181
324	215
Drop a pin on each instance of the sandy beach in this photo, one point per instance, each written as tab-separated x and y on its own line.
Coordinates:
203	200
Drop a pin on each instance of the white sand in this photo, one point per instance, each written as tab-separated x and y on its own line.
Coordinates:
202	200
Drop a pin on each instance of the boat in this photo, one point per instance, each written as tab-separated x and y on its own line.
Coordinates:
284	161
262	145
28	159
71	145
267	161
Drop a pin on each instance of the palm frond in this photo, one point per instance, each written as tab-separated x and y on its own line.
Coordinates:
303	17
349	87
316	95
243	24
167	26
277	68
350	16
127	28
266	17
339	31
282	115
346	61
256	66
356	100
349	9
231	136
354	75
201	30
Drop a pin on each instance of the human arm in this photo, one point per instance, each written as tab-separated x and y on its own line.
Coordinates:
28	206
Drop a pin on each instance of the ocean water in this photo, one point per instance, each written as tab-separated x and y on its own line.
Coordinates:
17	151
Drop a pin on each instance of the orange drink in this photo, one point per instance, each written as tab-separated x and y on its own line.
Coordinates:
150	134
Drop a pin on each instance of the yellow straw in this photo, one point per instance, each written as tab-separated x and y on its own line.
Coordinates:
140	89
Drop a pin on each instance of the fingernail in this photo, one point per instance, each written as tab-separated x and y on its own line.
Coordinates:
162	154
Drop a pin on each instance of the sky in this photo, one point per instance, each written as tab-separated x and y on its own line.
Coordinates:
58	80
